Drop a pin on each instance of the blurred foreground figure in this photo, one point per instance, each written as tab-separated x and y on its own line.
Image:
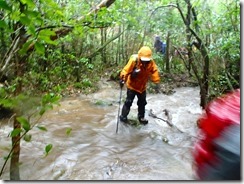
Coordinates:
217	153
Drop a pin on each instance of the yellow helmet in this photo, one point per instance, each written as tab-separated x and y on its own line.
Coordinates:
145	54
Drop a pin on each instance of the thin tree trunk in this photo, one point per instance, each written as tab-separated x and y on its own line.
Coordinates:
103	46
14	164
167	53
204	92
118	56
103	40
203	82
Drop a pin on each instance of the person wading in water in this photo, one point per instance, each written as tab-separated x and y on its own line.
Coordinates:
135	74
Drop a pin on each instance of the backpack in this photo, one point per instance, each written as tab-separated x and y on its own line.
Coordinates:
135	71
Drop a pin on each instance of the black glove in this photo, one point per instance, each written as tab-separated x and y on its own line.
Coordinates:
121	83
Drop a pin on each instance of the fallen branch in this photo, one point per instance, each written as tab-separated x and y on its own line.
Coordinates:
168	121
154	116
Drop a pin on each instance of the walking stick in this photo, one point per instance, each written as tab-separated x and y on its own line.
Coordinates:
119	109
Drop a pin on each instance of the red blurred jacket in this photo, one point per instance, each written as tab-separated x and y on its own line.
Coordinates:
217	153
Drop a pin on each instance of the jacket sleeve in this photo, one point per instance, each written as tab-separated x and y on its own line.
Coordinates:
155	78
126	71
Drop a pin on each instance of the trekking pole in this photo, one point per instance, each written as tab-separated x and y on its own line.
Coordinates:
119	109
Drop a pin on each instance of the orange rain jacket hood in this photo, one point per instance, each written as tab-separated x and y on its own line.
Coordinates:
147	71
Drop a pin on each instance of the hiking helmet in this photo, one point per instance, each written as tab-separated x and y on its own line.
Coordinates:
145	54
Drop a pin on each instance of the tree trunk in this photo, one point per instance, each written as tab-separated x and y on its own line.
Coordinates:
203	81
204	91
19	70
103	41
188	38
14	164
167	53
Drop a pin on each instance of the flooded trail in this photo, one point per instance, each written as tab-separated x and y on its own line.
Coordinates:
93	150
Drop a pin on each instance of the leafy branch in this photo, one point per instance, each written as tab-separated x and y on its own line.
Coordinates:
47	103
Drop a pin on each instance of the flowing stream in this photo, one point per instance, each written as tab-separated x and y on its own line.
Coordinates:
93	150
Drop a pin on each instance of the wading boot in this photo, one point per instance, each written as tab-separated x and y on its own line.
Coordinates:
123	119
123	116
143	121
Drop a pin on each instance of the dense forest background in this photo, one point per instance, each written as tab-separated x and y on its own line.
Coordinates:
49	47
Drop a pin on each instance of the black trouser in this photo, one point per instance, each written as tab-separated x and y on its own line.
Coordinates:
141	103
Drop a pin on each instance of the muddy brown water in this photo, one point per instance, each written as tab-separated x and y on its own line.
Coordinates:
93	150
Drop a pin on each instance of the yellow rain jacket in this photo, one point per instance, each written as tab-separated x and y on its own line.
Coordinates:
148	71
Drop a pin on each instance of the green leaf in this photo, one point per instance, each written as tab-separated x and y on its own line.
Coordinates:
58	12
30	3
4	5
25	47
45	108
27	137
25	20
42	128
39	48
32	14
48	148
15	132
50	98
42	111
7	103
68	131
24	122
45	35
31	29
3	24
